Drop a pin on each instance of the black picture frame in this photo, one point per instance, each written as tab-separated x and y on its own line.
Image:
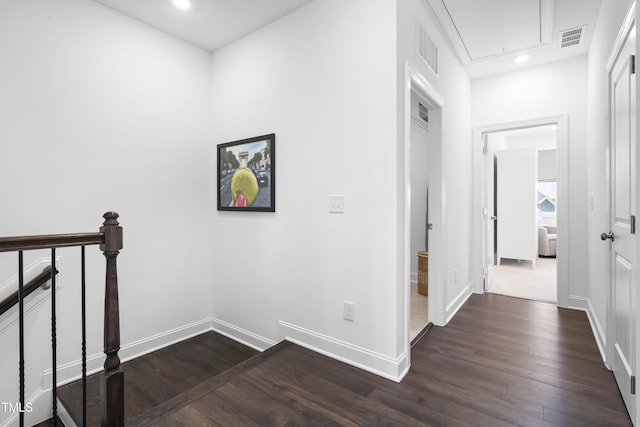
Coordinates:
246	174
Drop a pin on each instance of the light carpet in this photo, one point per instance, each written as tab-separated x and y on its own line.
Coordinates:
518	279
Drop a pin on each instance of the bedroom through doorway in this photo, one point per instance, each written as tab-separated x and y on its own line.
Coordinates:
522	196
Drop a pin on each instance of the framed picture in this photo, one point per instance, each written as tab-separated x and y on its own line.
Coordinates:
246	175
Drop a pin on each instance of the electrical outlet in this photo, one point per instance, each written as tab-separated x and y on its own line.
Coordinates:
336	203
455	275
349	309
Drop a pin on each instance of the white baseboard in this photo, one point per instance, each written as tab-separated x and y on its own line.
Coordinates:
578	303
598	332
455	305
243	336
384	366
71	371
156	342
391	368
584	304
65	416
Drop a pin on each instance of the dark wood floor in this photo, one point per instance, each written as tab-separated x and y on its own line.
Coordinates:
157	377
500	362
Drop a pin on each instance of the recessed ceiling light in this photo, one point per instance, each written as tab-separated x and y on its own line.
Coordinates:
182	4
521	58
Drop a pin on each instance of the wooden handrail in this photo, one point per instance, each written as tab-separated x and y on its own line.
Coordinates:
29	288
110	240
48	241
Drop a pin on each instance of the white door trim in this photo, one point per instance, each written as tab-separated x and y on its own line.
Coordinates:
627	24
562	123
416	81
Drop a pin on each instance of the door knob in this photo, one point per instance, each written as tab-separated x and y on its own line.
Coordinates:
605	236
493	218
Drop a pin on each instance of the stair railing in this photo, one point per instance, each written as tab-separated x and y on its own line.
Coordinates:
39	281
112	379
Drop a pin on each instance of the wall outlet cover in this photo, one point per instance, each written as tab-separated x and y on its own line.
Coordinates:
336	203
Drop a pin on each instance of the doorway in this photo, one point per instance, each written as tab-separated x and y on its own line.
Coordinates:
429	227
419	187
488	141
521	199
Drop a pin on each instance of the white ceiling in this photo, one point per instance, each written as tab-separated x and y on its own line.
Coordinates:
487	35
209	24
517	25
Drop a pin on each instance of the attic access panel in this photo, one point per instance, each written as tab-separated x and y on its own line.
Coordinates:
494	27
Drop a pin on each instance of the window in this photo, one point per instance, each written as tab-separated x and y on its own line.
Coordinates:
547	194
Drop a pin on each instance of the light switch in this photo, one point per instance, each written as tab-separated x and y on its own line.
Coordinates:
336	203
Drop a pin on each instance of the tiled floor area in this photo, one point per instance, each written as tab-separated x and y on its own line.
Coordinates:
518	279
419	313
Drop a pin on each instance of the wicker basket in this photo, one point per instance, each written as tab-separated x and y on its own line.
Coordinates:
423	273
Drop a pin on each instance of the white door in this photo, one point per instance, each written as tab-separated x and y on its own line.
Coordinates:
488	212
623	206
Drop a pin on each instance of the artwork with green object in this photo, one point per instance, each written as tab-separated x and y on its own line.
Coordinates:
246	174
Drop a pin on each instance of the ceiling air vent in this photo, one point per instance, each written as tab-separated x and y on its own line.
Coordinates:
427	49
572	37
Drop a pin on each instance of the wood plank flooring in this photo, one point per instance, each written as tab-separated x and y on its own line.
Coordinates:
159	376
501	361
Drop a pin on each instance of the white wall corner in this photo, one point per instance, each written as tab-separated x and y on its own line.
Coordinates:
455	305
243	336
387	367
476	290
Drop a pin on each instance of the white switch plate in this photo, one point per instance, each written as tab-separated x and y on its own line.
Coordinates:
349	309
336	203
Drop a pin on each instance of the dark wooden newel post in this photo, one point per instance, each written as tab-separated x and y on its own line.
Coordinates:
112	380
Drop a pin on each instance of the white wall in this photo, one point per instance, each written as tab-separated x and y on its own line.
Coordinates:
549	90
313	79
452	155
100	112
612	14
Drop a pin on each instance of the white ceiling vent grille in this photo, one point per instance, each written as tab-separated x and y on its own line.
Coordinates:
427	49
572	37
